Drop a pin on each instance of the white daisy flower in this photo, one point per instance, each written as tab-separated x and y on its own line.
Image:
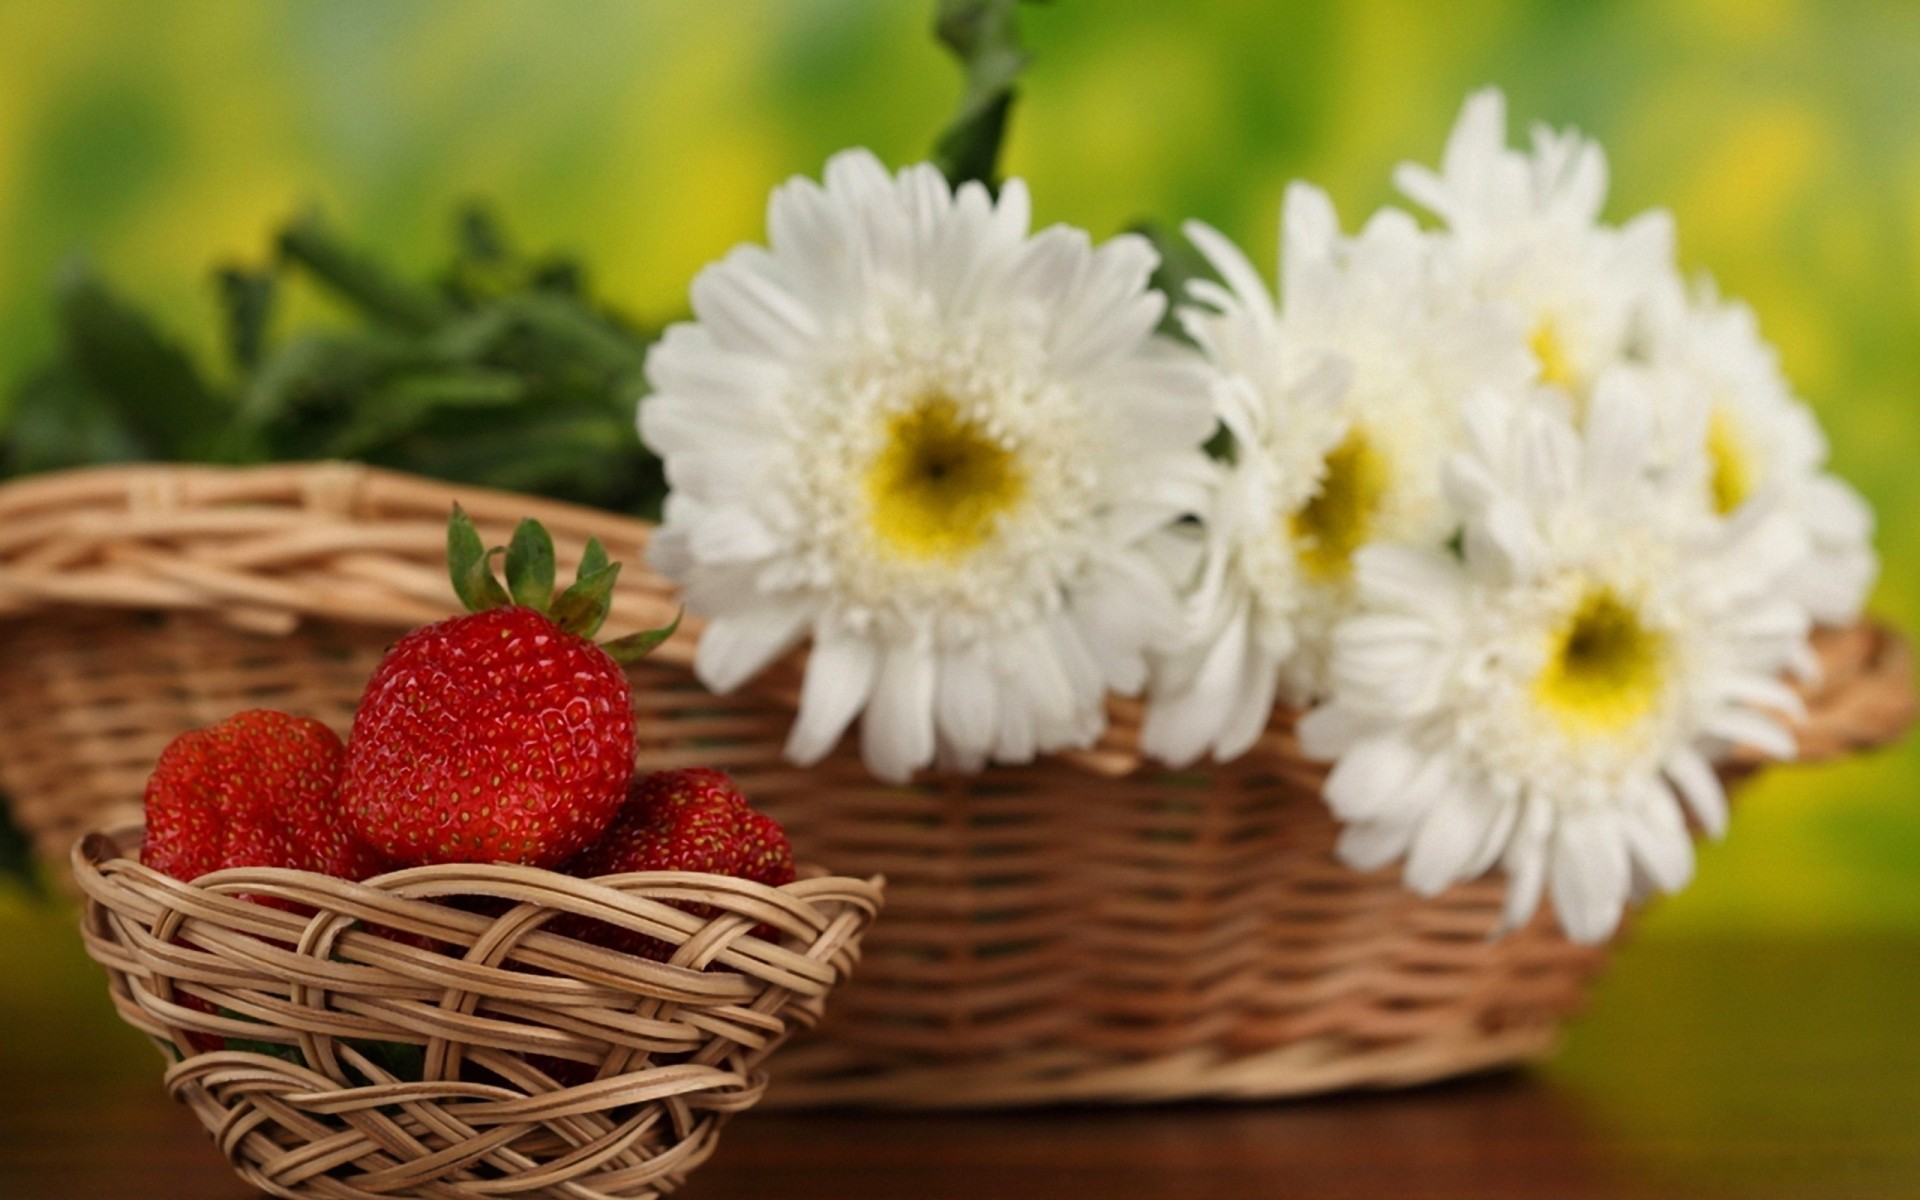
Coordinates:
1523	229
939	446
1553	702
1763	444
1342	402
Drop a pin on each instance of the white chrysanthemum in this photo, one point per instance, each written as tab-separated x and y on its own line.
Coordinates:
940	447
1342	405
1524	230
1763	444
1553	702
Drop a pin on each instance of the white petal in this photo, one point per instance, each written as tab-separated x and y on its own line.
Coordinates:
1309	231
1504	543
1700	787
1390	663
736	645
1111	311
1252	709
1370	845
1590	874
1372	778
1549	462
730	534
1452	836
966	705
1526	865
1233	266
1618	435
840	677
1178	728
747	311
1744	727
896	732
1659	842
1125	606
1410	579
1328	731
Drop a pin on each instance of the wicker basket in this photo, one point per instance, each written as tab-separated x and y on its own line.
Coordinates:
1081	929
654	1056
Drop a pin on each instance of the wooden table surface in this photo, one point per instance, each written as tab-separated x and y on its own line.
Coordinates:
1756	1070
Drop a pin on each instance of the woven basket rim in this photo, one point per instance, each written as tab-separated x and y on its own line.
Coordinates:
107	861
129	523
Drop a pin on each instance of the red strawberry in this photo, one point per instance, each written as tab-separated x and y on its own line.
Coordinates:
765	854
259	789
687	820
504	735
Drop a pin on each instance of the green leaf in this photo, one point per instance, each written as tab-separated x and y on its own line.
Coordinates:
403	404
320	372
530	565
636	646
470	564
361	281
577	335
550	445
58	421
592	559
582	608
246	297
120	354
481	587
984	36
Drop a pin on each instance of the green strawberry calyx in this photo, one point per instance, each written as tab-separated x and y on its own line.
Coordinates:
580	610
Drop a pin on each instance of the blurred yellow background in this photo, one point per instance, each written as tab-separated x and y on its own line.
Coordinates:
161	140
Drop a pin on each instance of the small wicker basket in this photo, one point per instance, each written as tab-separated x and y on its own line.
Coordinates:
1085	928
653	1057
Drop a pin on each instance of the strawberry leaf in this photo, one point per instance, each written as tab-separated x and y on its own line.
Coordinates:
582	608
592	561
468	565
530	565
636	646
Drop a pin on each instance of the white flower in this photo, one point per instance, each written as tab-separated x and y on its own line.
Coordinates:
1524	230
1342	404
940	447
1553	702
1763	445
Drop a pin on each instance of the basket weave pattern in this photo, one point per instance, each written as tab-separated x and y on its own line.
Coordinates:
1083	928
499	1004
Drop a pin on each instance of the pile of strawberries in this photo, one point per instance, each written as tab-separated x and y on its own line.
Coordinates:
502	736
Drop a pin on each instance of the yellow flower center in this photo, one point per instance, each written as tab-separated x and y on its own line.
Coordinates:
1732	461
1555	369
1340	517
1606	669
940	484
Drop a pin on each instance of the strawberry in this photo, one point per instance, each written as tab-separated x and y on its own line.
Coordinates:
259	789
505	735
687	820
765	854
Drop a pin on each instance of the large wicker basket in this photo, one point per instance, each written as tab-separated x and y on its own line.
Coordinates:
1084	928
543	1064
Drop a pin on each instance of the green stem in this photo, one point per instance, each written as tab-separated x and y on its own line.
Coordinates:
984	36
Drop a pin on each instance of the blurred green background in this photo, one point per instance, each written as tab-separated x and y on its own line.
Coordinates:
161	140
